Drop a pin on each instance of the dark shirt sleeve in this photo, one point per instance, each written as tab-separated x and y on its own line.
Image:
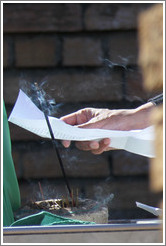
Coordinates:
157	99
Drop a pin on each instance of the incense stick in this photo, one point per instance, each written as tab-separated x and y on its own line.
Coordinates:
72	198
41	191
63	203
77	197
52	137
67	202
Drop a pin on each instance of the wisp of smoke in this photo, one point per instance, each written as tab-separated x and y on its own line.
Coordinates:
41	99
112	65
103	199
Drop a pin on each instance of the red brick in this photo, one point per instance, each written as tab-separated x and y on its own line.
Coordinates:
123	47
42	17
135	86
69	86
43	163
38	51
52	188
125	163
18	133
10	86
30	191
86	87
81	164
5	53
126	192
82	51
39	164
108	16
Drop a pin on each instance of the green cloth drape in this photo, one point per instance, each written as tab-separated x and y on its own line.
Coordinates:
11	193
45	218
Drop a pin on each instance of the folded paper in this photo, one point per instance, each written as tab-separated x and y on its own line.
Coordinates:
28	116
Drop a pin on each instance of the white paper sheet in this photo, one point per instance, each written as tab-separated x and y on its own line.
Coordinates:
26	115
150	209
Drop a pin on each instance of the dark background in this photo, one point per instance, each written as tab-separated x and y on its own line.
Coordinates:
88	56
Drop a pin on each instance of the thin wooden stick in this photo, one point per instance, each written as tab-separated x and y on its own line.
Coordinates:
63	204
67	202
72	198
41	191
77	197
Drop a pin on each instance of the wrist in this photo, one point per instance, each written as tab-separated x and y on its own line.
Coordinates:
141	115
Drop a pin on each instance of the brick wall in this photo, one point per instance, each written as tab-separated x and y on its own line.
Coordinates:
69	45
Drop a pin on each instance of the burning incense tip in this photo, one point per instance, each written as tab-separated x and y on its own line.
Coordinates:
41	191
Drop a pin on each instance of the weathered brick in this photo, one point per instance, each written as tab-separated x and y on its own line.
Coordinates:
126	192
35	51
81	164
108	16
5	53
39	164
123	47
135	86
30	190
125	163
52	188
82	51
89	188
42	17
85	87
20	134
69	86
43	163
10	86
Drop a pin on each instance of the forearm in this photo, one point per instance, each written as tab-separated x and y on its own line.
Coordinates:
127	119
141	116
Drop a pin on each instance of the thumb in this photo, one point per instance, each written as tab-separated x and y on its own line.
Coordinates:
90	124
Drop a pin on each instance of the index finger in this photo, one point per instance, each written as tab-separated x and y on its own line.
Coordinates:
70	119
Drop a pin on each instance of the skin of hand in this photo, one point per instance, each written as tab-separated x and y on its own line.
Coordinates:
118	119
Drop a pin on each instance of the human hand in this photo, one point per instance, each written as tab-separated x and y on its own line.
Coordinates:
89	118
121	119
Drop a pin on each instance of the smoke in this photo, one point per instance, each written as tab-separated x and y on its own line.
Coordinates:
75	158
37	93
112	65
104	199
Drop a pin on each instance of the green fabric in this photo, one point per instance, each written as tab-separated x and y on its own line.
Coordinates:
46	218
11	193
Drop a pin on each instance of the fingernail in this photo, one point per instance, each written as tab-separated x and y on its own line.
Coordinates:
66	145
93	145
106	141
